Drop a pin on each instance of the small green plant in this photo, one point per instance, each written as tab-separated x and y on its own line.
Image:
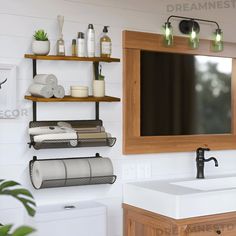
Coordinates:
100	76
13	189
40	35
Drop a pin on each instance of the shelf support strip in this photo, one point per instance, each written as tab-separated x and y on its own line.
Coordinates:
34	103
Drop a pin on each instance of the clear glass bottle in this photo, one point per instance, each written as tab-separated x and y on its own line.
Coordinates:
60	47
105	43
60	41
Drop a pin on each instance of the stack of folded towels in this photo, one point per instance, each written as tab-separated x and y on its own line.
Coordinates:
64	132
46	86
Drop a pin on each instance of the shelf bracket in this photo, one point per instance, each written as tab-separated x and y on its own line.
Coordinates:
34	103
96	74
97	110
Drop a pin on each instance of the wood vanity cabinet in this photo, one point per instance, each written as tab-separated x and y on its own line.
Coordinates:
139	222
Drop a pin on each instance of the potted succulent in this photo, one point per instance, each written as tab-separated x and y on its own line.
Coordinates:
13	189
40	44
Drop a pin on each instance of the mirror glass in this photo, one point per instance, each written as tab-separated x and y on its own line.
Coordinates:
184	94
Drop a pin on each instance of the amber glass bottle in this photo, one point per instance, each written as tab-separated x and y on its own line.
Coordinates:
105	43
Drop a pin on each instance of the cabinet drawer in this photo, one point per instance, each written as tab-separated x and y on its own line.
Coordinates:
212	228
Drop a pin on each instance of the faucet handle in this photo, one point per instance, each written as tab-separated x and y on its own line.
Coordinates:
200	153
201	150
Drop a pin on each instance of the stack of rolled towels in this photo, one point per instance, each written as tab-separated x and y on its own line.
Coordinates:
64	132
46	86
71	172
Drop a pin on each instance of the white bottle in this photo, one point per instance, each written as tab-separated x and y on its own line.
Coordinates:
81	45
91	41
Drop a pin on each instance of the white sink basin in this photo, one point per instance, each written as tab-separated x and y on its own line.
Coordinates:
184	198
209	184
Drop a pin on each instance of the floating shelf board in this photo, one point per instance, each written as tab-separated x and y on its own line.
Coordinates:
72	99
71	58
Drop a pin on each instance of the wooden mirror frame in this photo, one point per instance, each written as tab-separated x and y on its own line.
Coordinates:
133	142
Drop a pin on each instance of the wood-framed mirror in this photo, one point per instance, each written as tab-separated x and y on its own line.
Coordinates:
138	136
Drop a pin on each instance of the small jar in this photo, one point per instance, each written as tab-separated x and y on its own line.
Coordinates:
79	91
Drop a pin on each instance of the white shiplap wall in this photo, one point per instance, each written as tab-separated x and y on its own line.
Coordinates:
18	20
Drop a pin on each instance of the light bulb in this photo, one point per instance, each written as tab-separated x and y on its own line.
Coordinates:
218	38
168	34
193	35
193	38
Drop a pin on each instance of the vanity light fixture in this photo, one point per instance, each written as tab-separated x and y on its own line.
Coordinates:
168	34
217	43
191	27
193	36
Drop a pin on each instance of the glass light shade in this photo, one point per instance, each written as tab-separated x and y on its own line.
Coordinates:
217	43
193	39
168	34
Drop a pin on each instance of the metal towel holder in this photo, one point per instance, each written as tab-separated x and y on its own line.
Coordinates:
66	182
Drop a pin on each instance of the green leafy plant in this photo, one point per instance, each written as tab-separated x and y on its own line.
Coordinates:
14	189
100	76
40	35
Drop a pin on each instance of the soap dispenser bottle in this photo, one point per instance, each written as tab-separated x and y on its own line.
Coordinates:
105	43
90	41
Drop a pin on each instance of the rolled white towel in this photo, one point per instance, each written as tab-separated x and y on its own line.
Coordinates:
100	166
77	168
46	79
78	172
40	90
60	137
59	91
49	130
47	170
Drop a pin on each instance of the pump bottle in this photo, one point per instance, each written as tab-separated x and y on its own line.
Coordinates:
81	45
90	41
105	43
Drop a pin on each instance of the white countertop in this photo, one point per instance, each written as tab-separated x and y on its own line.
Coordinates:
184	198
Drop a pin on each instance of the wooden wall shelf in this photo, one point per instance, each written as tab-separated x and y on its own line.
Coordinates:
94	60
73	99
71	58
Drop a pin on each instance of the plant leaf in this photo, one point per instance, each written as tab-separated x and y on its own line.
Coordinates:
40	35
27	203
19	194
7	184
21	191
4	230
23	230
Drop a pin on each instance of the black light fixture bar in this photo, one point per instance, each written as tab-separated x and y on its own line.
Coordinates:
190	26
193	19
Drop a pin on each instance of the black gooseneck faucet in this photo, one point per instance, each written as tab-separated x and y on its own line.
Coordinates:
200	160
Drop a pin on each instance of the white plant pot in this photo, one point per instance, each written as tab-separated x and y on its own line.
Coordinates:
98	88
40	47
